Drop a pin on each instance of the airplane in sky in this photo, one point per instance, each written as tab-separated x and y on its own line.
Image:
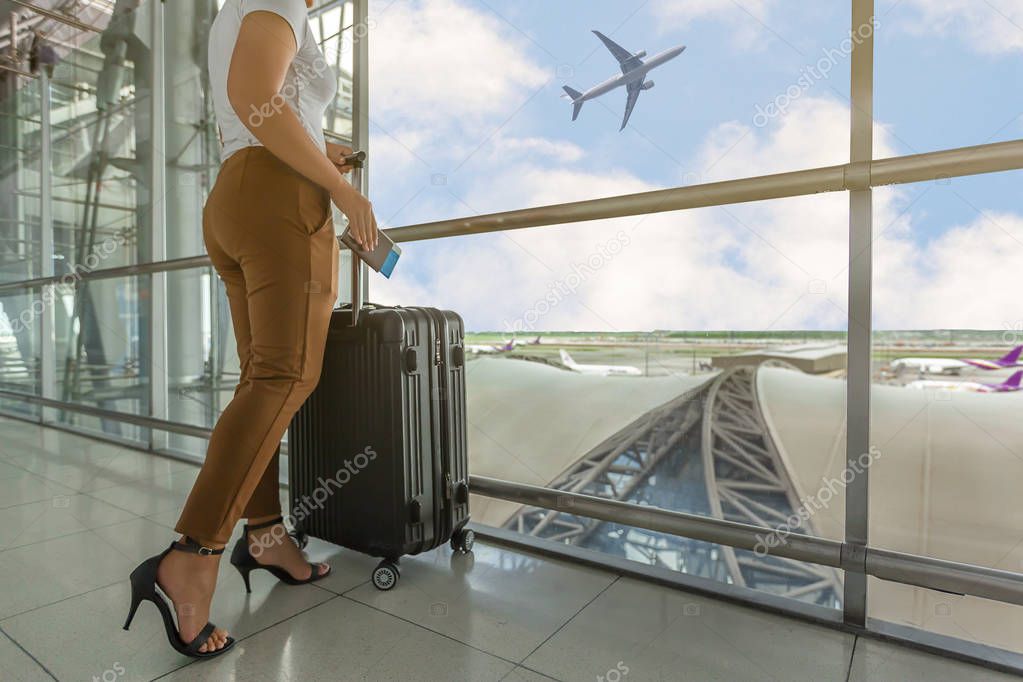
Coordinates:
1011	384
1010	359
603	370
634	72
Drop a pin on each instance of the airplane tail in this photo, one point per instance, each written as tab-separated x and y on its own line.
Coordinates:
1012	357
1014	380
577	105
566	359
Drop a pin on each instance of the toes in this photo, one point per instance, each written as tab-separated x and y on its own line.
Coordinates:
323	569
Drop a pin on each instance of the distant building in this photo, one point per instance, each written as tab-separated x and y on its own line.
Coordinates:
813	358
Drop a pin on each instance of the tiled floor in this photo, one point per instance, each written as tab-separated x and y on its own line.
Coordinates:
77	515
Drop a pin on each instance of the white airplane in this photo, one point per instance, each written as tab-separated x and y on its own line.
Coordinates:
1010	385
633	76
929	365
502	348
603	370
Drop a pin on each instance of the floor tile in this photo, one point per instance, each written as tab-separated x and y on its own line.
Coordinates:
99	468
344	640
46	572
91	641
24	487
479	599
877	661
17	666
61	515
520	674
151	496
642	631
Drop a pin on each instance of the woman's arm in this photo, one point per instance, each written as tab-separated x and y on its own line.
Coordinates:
262	55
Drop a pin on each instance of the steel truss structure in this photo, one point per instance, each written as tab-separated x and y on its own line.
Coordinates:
748	482
744	477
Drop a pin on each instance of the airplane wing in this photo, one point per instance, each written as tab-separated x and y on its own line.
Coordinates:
633	94
626	59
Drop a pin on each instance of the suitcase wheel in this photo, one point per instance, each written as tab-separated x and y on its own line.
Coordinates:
385	575
463	540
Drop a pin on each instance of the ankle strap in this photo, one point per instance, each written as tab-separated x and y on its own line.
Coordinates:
266	524
190	545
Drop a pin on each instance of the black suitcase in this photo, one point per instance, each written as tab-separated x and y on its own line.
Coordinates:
377	454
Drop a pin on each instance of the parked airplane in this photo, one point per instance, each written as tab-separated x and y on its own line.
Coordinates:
483	348
1013	383
605	370
634	71
929	365
1010	359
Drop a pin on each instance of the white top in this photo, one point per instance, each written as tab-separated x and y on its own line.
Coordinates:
308	88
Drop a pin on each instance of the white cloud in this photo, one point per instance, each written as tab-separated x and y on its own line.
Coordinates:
990	27
441	62
777	264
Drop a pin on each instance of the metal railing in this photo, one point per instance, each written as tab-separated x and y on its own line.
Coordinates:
989	158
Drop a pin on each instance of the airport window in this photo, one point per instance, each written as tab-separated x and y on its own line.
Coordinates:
728	300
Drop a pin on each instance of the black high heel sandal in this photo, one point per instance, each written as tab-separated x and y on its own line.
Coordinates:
143	586
242	559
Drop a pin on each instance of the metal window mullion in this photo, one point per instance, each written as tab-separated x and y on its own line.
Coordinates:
47	332
861	151
158	280
360	129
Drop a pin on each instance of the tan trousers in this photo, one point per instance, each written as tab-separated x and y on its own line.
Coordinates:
269	233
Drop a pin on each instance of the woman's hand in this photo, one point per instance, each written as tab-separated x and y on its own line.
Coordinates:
361	222
336	153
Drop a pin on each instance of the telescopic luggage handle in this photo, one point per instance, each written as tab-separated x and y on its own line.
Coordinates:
358	161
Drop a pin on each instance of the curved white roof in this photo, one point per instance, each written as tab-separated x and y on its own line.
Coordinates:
946	483
529	421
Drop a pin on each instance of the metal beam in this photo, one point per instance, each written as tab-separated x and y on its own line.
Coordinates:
909	569
860	328
990	158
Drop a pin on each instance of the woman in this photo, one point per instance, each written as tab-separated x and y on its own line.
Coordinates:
267	227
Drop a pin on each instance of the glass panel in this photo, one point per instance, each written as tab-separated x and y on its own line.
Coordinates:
192	145
19	179
945	404
103	354
19	348
202	361
690	360
102	146
942	74
992	623
761	88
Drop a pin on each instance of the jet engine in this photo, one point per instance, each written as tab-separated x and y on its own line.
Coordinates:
648	85
641	53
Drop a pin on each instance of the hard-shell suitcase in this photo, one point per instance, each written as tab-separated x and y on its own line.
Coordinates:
377	454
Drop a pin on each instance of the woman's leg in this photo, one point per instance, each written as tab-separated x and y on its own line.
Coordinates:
290	288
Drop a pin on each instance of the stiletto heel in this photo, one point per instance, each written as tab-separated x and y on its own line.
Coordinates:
143	587
242	559
131	612
244	570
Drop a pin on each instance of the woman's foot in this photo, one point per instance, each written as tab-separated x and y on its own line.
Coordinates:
272	546
189	581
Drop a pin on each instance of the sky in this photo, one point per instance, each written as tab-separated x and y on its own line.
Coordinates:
467	118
